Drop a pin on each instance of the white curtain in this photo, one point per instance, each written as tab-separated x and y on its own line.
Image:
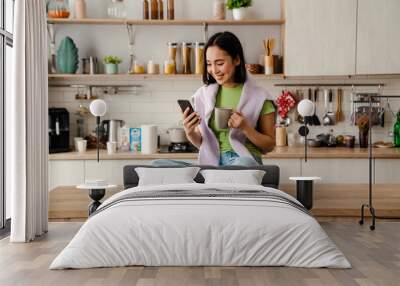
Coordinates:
27	142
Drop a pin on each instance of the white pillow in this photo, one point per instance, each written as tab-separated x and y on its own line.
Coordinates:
166	176
248	177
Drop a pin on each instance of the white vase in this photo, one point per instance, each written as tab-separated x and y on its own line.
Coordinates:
239	13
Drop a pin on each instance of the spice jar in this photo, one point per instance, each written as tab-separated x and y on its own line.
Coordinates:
145	9
138	68
116	9
58	9
172	49
199	58
169	67
186	57
160	9
154	9
153	68
170	10
219	10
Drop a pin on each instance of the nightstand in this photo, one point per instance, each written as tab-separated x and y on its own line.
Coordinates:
96	193
304	190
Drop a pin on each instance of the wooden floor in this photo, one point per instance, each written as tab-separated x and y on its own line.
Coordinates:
374	255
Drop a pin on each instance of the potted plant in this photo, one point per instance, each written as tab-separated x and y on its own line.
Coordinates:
239	8
111	64
363	128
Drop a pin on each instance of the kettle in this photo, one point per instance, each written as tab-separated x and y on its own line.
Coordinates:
111	128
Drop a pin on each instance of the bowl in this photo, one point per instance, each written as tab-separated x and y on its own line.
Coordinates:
314	143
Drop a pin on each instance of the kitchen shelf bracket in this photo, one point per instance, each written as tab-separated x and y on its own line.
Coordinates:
131	45
52	36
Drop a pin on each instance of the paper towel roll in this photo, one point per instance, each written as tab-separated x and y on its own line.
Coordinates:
149	139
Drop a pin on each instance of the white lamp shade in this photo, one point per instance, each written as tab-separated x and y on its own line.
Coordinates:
98	107
306	108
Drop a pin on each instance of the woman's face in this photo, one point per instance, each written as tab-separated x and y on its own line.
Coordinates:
221	66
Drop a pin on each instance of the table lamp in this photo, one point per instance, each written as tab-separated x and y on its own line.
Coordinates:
306	109
98	108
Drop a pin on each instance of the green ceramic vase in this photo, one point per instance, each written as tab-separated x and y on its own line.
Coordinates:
67	56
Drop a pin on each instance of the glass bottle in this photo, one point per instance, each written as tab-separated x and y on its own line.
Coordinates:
172	49
186	57
154	9
170	10
160	9
199	58
145	9
396	131
116	9
58	9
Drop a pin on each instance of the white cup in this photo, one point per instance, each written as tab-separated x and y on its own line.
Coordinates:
111	147
222	116
76	139
81	145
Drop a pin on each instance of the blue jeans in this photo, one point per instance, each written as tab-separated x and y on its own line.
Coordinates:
226	158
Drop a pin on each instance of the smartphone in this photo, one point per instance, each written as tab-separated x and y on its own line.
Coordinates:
184	103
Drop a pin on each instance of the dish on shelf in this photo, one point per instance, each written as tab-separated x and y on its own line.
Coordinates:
382	144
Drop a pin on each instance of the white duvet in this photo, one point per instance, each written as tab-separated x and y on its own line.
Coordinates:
206	231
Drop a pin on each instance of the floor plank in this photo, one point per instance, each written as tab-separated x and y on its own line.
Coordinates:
375	257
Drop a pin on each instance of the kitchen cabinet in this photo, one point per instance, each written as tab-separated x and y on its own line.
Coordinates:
320	37
378	37
66	173
387	171
338	171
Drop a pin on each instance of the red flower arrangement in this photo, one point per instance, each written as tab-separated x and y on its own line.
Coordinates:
285	102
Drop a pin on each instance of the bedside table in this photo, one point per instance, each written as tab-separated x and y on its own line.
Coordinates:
96	193
304	190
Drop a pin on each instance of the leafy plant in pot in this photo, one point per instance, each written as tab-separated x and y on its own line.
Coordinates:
239	8
111	64
363	128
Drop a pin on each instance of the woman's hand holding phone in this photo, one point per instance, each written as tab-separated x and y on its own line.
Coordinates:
190	121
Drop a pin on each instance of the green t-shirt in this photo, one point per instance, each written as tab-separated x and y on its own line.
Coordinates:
229	98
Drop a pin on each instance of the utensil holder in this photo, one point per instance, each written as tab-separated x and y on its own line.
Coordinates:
268	64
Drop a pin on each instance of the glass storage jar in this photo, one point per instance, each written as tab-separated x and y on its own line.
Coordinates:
58	9
116	9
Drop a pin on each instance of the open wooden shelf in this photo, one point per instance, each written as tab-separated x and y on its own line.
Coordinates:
122	77
93	21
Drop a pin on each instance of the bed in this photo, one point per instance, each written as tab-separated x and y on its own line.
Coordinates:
201	224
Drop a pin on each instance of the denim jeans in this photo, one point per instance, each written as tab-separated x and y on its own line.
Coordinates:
226	158
232	158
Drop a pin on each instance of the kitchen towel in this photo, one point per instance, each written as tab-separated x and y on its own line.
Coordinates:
149	139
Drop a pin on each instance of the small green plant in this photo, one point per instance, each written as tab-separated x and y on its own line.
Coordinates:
235	4
112	60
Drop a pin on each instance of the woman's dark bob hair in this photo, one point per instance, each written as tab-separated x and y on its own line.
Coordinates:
228	42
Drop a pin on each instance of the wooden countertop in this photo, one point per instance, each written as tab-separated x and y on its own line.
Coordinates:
277	153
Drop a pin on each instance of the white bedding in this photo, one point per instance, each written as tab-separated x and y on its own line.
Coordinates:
200	231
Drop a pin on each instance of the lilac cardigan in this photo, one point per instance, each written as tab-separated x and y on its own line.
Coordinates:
250	105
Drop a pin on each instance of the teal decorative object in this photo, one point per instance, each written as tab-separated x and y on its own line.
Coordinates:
67	56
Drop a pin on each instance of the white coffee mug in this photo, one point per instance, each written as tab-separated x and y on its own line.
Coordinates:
222	116
81	144
111	147
76	139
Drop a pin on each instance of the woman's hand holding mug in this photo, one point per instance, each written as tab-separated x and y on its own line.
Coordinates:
237	120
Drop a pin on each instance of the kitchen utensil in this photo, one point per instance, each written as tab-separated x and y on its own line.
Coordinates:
314	142
177	135
299	97
315	119
328	118
303	131
352	109
339	113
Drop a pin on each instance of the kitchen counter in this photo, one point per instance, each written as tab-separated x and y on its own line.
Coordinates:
277	153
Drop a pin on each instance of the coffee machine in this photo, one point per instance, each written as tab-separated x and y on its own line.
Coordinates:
58	130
